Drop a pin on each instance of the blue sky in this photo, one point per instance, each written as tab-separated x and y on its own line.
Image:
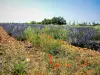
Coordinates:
71	10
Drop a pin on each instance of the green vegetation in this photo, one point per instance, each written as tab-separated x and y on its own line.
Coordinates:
50	54
44	41
58	57
61	21
32	35
33	22
20	68
54	20
56	32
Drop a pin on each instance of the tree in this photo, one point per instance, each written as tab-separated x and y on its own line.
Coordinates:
39	23
54	20
73	23
89	24
84	23
94	23
46	21
33	22
58	20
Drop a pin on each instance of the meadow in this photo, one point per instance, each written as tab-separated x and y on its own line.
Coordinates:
51	50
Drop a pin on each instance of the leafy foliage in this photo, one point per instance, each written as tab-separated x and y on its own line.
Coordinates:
56	32
20	68
32	35
55	21
33	22
47	21
58	21
42	40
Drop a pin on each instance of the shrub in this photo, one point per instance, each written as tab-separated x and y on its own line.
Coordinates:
20	68
96	36
32	35
50	45
56	32
80	35
35	36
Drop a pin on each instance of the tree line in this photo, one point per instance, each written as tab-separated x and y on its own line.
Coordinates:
61	21
54	21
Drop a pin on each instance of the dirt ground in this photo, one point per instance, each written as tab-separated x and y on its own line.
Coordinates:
23	48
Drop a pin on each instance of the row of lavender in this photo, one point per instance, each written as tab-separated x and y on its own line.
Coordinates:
79	36
85	37
17	29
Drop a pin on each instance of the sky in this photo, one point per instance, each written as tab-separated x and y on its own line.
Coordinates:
27	10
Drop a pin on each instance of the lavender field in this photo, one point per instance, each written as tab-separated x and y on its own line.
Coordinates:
82	36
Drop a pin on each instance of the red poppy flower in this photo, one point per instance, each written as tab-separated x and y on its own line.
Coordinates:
49	37
86	63
57	65
50	62
38	73
69	65
50	56
55	68
79	74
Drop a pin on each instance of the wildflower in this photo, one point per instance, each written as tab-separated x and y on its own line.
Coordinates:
86	63
50	62
50	56
60	41
55	68
38	73
57	65
49	37
79	74
68	65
